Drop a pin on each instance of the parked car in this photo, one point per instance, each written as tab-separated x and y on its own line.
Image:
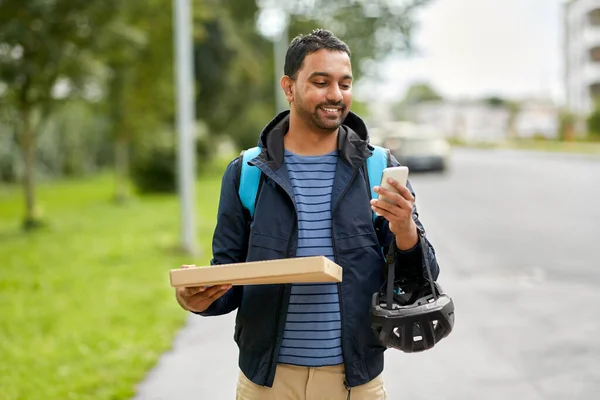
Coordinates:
419	150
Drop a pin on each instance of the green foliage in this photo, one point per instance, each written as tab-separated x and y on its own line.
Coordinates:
234	73
137	49
8	154
111	63
374	29
154	168
418	92
74	140
154	164
44	43
46	54
495	101
234	64
593	122
421	92
567	122
86	304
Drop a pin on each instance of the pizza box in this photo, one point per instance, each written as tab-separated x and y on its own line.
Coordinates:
289	270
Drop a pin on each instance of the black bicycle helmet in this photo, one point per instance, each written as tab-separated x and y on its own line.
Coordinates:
411	316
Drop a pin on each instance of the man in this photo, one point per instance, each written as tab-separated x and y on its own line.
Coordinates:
311	341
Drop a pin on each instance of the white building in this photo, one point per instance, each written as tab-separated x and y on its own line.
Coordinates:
481	122
581	54
470	121
537	119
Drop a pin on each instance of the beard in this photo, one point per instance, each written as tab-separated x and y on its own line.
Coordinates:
320	119
329	123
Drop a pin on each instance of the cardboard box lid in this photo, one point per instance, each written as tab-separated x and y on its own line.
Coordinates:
289	270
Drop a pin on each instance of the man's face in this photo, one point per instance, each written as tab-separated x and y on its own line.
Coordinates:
321	95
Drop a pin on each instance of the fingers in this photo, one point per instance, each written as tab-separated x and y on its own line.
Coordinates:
201	300
395	207
396	199
202	291
402	190
384	213
385	209
219	293
190	291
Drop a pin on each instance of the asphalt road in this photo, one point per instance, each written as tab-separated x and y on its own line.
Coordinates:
518	241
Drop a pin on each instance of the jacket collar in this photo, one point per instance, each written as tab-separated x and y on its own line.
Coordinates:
353	145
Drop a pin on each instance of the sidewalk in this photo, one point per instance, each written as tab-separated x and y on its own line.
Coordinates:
201	365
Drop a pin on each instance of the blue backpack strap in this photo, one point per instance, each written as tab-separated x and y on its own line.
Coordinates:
376	163
250	175
249	180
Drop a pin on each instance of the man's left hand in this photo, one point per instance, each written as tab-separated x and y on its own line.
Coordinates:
397	209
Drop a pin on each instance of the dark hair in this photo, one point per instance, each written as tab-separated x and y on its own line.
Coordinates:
303	45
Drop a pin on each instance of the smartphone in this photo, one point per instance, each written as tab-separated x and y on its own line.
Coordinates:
399	174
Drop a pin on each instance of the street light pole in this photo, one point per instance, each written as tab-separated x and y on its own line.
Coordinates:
182	15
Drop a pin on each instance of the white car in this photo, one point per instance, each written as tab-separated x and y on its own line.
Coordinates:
420	151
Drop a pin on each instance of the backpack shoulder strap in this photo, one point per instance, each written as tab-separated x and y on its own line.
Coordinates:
250	175
376	163
249	180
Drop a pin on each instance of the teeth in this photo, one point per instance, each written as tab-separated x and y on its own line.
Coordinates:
331	110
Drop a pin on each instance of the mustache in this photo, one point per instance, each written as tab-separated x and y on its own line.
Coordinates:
333	104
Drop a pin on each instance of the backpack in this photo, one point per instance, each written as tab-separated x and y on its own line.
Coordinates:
250	175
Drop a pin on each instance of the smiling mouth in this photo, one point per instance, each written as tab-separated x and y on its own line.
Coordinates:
331	110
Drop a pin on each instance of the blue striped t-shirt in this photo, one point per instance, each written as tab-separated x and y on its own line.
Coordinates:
312	335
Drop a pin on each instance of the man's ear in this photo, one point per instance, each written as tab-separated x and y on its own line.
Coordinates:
287	85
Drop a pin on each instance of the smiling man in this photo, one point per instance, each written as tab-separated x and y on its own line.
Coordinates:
311	341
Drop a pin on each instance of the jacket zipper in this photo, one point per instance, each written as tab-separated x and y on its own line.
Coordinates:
339	285
278	330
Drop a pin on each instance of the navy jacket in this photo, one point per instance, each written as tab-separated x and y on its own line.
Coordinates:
273	234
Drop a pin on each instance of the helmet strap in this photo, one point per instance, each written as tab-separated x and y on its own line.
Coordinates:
425	251
391	265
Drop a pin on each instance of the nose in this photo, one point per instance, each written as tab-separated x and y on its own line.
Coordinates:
334	94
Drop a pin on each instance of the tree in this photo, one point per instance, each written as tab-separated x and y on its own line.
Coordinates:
419	93
373	29
235	64
46	54
234	70
138	52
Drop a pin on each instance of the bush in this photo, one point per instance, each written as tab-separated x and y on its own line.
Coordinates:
593	122
154	163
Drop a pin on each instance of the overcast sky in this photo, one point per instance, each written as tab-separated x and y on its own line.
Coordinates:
474	48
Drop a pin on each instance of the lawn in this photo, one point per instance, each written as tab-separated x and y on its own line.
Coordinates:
579	147
85	303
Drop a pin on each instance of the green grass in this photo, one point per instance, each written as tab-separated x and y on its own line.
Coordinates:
556	146
577	147
85	303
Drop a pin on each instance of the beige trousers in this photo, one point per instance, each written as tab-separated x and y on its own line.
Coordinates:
303	383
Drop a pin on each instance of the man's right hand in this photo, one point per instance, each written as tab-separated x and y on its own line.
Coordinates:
198	299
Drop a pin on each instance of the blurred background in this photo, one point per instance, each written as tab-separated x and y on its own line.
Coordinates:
492	104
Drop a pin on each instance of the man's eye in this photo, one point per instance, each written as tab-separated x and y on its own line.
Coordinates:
345	86
320	83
